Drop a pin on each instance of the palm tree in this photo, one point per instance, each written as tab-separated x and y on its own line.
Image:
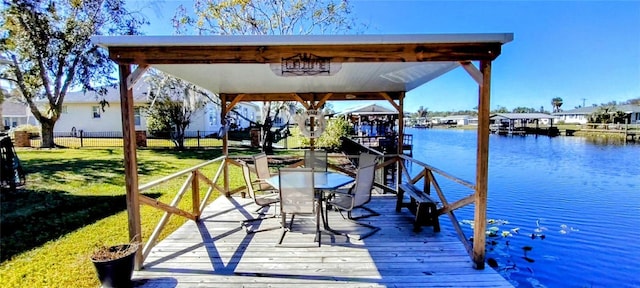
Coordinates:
556	103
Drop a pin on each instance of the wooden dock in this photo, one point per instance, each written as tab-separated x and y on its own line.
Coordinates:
216	252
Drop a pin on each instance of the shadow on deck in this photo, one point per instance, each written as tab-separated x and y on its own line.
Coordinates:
216	252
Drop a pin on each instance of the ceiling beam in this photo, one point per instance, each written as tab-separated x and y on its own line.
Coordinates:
416	52
473	71
136	75
315	97
323	100
385	95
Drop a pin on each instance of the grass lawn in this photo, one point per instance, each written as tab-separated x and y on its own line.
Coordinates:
74	201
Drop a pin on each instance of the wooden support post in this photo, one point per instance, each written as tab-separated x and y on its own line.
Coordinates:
195	194
225	143
400	138
482	167
312	127
130	161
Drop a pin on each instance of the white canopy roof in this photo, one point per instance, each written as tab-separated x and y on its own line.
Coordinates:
254	64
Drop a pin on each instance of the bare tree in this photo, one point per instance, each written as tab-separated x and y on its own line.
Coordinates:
275	17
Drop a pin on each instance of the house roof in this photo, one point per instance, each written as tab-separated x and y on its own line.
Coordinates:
140	95
627	108
521	116
371	109
13	109
272	68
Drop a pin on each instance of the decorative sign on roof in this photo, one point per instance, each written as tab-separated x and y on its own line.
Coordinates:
305	64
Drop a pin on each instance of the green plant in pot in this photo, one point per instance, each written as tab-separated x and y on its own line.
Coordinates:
114	264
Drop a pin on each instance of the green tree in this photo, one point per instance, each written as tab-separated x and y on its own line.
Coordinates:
500	109
255	17
523	110
330	139
556	103
174	103
422	112
50	51
604	114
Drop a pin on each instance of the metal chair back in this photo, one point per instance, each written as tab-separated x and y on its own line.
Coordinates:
316	159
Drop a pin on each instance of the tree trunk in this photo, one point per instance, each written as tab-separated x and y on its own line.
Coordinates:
179	138
47	133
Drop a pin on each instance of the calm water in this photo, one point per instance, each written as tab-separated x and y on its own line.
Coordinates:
582	195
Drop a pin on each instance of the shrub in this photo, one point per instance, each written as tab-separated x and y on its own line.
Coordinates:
330	138
34	131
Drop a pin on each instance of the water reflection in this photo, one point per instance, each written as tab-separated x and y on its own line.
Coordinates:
584	190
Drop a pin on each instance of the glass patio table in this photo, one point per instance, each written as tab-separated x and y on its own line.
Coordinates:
322	181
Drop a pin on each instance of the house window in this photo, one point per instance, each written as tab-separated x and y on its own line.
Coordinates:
136	116
63	110
96	111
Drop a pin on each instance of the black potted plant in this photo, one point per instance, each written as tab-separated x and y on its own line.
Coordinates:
114	264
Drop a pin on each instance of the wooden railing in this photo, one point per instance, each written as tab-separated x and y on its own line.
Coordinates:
427	174
195	177
193	181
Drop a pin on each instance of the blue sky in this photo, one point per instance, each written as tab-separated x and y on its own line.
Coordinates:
570	49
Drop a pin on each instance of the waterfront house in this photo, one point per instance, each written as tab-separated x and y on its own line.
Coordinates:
456	119
83	111
582	115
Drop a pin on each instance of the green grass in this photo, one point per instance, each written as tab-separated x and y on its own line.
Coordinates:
74	201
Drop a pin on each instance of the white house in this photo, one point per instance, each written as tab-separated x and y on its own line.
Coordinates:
575	116
456	119
207	121
83	111
15	114
581	115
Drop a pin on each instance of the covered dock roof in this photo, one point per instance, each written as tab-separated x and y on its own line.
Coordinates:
371	109
267	67
521	116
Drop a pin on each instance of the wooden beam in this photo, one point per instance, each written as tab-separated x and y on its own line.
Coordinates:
386	96
308	97
297	98
482	167
195	194
225	144
165	218
130	161
323	100
469	199
165	207
454	220
235	101
353	53
472	70
136	75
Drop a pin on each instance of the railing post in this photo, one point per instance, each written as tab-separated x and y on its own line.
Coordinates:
198	137
195	194
81	139
427	182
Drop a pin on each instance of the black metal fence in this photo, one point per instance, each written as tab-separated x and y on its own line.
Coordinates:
82	139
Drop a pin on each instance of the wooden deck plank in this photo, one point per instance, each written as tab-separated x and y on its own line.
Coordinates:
216	252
